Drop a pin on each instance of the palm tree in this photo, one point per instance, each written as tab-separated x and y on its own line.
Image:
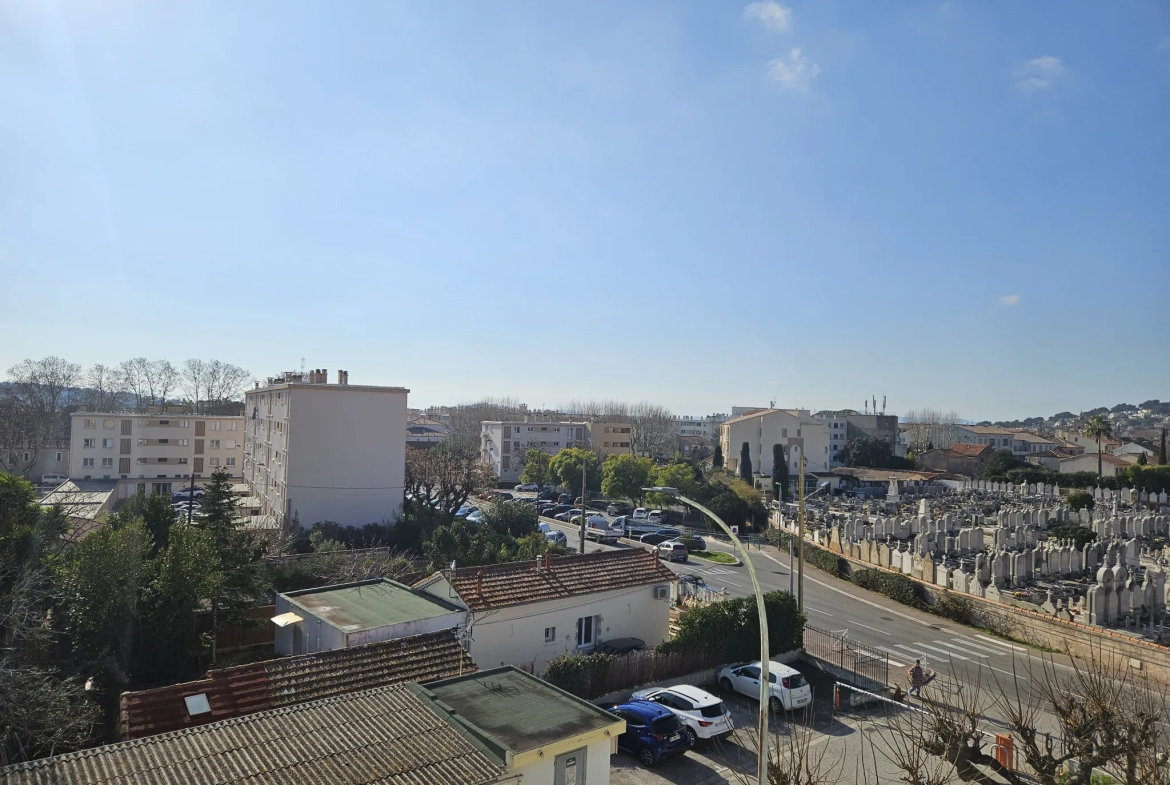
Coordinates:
1098	428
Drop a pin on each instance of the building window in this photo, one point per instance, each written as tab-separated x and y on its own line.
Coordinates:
231	461
214	445
550	635
215	425
213	462
184	423
87	462
107	423
182	460
90	423
141	460
143	441
59	457
585	631
107	463
89	443
183	442
164	441
231	426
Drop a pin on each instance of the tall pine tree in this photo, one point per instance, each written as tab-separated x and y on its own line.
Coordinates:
779	473
745	462
237	582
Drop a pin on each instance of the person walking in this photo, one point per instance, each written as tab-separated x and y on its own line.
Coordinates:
917	679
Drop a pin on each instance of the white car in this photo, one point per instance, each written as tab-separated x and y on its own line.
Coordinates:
640	514
788	688
702	714
554	536
654	517
528	486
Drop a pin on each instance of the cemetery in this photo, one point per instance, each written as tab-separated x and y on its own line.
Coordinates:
1021	545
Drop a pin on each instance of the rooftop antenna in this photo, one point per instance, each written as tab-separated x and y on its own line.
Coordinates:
883	404
302	367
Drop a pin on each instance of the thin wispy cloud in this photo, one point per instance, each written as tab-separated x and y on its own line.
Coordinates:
770	14
794	71
1039	73
1009	300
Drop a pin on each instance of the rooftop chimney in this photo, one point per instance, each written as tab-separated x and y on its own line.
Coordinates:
548	557
479	583
539	563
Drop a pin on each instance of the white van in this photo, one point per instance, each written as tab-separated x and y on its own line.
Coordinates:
53	479
788	688
640	514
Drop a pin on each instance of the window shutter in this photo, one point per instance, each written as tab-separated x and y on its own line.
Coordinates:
126	426
124	447
200	428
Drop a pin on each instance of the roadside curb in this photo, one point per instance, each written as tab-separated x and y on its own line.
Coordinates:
737	563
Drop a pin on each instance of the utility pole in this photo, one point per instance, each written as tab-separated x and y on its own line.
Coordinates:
800	536
584	480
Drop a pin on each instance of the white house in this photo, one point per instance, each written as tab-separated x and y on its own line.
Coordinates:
1110	465
1130	452
503	444
352	614
796	429
527	613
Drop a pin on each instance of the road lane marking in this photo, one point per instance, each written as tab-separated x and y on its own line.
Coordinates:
943	651
980	646
1000	643
917	655
736	585
814	610
972	652
859	624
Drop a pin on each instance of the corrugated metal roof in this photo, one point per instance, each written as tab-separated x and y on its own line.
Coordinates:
248	689
370	604
385	735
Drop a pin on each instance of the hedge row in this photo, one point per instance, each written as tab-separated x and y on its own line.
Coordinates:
730	629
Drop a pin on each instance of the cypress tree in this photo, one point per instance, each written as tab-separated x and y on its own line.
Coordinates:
717	461
745	462
1162	452
779	473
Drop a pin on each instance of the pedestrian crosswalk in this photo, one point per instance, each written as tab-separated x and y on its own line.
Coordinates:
977	648
718	571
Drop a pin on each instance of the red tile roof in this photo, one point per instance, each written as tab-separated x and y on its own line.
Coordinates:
247	689
516	583
969	450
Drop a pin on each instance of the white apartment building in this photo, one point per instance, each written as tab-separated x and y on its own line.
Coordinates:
503	444
796	429
705	427
325	452
156	452
1020	442
610	437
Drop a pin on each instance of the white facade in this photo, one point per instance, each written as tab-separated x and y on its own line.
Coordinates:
326	452
1110	465
502	444
838	425
153	453
706	427
796	429
537	632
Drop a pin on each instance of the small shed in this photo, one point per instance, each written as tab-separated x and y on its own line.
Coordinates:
351	614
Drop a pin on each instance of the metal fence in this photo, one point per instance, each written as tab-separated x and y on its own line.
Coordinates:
866	664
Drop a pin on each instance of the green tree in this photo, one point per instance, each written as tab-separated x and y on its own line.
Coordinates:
1098	428
745	462
779	473
624	476
237	578
177	585
536	467
717	461
470	545
672	475
1080	500
512	518
999	464
566	466
154	511
1162	450
1141	459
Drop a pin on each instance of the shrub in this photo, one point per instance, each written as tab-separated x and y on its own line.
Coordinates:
577	673
1080	500
953	606
898	587
731	629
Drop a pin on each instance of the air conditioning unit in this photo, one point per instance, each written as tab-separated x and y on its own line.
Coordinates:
661	592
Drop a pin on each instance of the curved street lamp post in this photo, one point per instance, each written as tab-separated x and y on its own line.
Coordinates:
765	691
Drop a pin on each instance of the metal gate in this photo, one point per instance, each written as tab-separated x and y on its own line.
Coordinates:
858	664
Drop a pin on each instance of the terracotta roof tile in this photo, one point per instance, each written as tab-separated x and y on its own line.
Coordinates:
388	735
516	583
969	450
247	689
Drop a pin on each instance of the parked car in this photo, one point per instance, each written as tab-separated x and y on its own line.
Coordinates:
702	714
655	516
53	479
653	732
660	535
672	550
788	688
548	496
565	498
693	542
567	514
466	510
475	517
501	496
640	514
697	580
555	510
598	528
555	536
617	508
187	493
620	646
526	487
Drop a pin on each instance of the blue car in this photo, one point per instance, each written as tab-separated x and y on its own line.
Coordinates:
653	732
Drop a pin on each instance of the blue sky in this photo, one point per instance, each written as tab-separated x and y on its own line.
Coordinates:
962	205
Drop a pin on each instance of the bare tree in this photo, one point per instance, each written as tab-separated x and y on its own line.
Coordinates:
653	433
930	428
445	475
208	385
104	383
159	378
466	420
193	382
133	382
37	391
